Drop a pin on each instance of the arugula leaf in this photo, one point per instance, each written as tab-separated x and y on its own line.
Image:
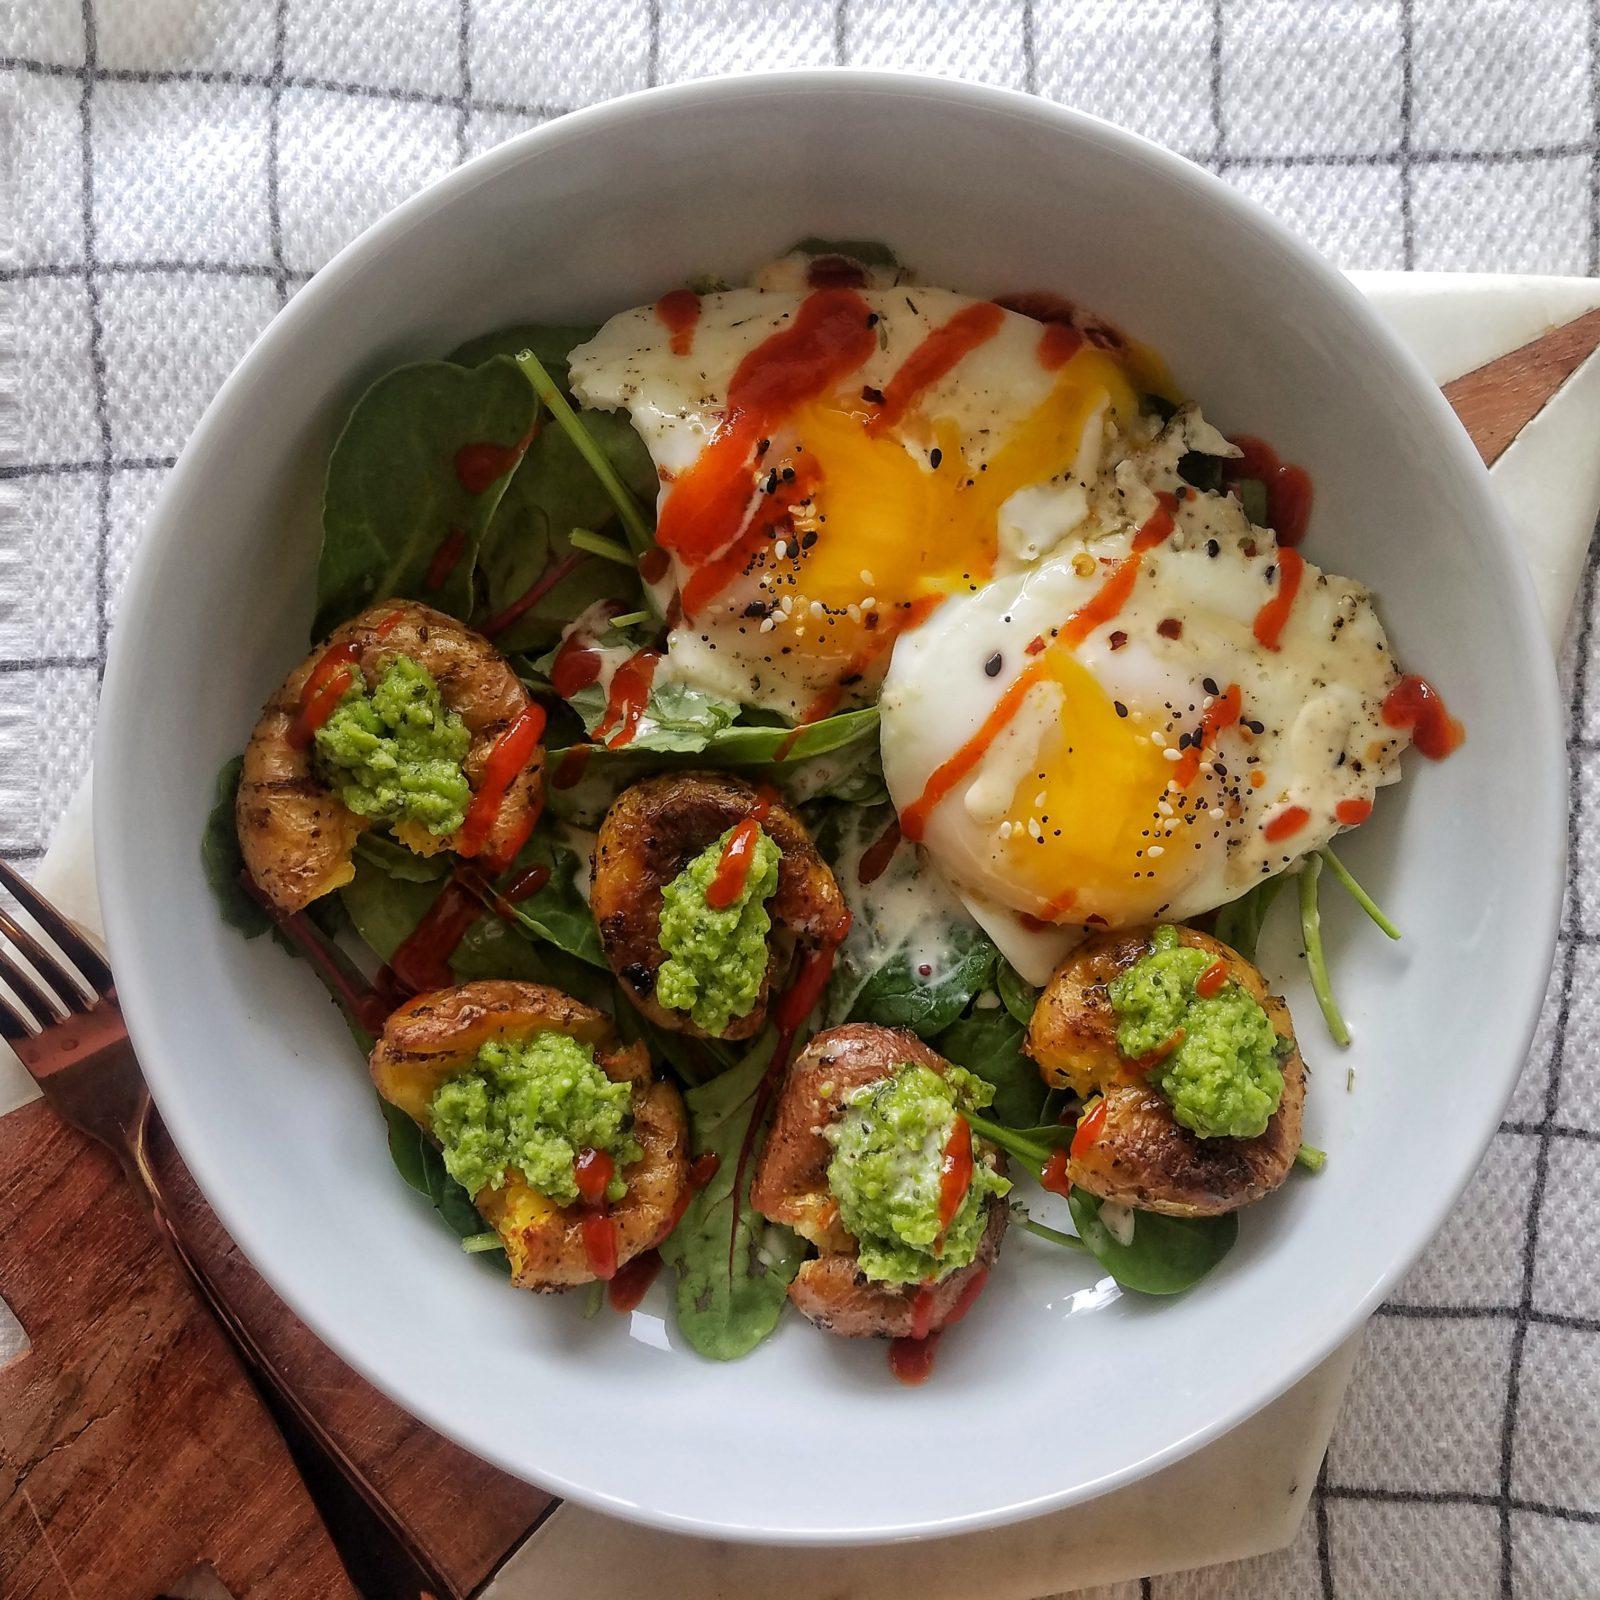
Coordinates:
676	718
989	1043
223	860
1017	995
554	491
552	343
421	1165
1167	1254
734	1267
393	498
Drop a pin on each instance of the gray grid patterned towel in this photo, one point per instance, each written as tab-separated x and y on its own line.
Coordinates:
179	167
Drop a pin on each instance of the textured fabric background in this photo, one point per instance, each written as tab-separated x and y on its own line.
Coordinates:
177	168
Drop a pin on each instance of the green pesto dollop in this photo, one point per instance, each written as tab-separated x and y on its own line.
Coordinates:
716	958
1224	1077
532	1104
888	1149
393	752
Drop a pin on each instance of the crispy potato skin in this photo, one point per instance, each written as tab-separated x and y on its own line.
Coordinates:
650	834
1141	1156
791	1187
435	1035
297	838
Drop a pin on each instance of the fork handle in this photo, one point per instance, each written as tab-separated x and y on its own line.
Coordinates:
385	1562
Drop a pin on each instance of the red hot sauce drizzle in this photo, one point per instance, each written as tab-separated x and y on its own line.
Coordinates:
1414	703
480	465
911	1359
835	272
940	351
1288	486
630	694
508	755
1272	617
829	336
733	866
323	691
445	558
678	312
1058	344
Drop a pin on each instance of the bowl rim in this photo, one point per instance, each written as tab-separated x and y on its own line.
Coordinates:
119	722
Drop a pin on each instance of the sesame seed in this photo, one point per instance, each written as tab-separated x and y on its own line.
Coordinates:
1155	850
1173	755
1158	737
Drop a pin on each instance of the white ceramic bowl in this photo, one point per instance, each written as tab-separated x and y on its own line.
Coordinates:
1054	1390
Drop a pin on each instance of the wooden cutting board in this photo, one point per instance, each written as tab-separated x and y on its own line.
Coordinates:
132	1446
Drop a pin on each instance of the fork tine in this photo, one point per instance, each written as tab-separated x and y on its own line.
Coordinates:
78	950
52	971
34	1005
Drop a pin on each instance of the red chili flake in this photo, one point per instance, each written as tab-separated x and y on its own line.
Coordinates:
1117	639
1034	645
1170	628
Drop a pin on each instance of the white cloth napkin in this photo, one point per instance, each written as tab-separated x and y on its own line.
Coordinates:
171	170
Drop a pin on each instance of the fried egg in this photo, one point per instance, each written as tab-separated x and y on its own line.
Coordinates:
1155	717
836	462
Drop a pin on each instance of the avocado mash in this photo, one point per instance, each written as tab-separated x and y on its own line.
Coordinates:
888	1149
393	753
1223	1076
532	1104
716	959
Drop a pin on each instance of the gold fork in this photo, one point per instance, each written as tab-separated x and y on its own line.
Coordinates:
67	1030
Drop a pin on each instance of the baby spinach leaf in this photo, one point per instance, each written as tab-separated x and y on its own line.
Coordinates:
694	1060
1239	922
389	856
421	1165
1167	1254
1017	995
393	498
558	913
900	995
676	718
989	1043
734	1267
554	491
752	750
553	343
554	940
869	252
223	861
757	746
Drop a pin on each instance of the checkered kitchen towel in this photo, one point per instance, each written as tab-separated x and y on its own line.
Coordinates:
179	167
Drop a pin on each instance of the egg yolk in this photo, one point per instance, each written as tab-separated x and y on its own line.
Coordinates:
1086	829
887	530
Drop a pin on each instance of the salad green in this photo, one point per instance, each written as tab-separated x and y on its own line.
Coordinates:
476	484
